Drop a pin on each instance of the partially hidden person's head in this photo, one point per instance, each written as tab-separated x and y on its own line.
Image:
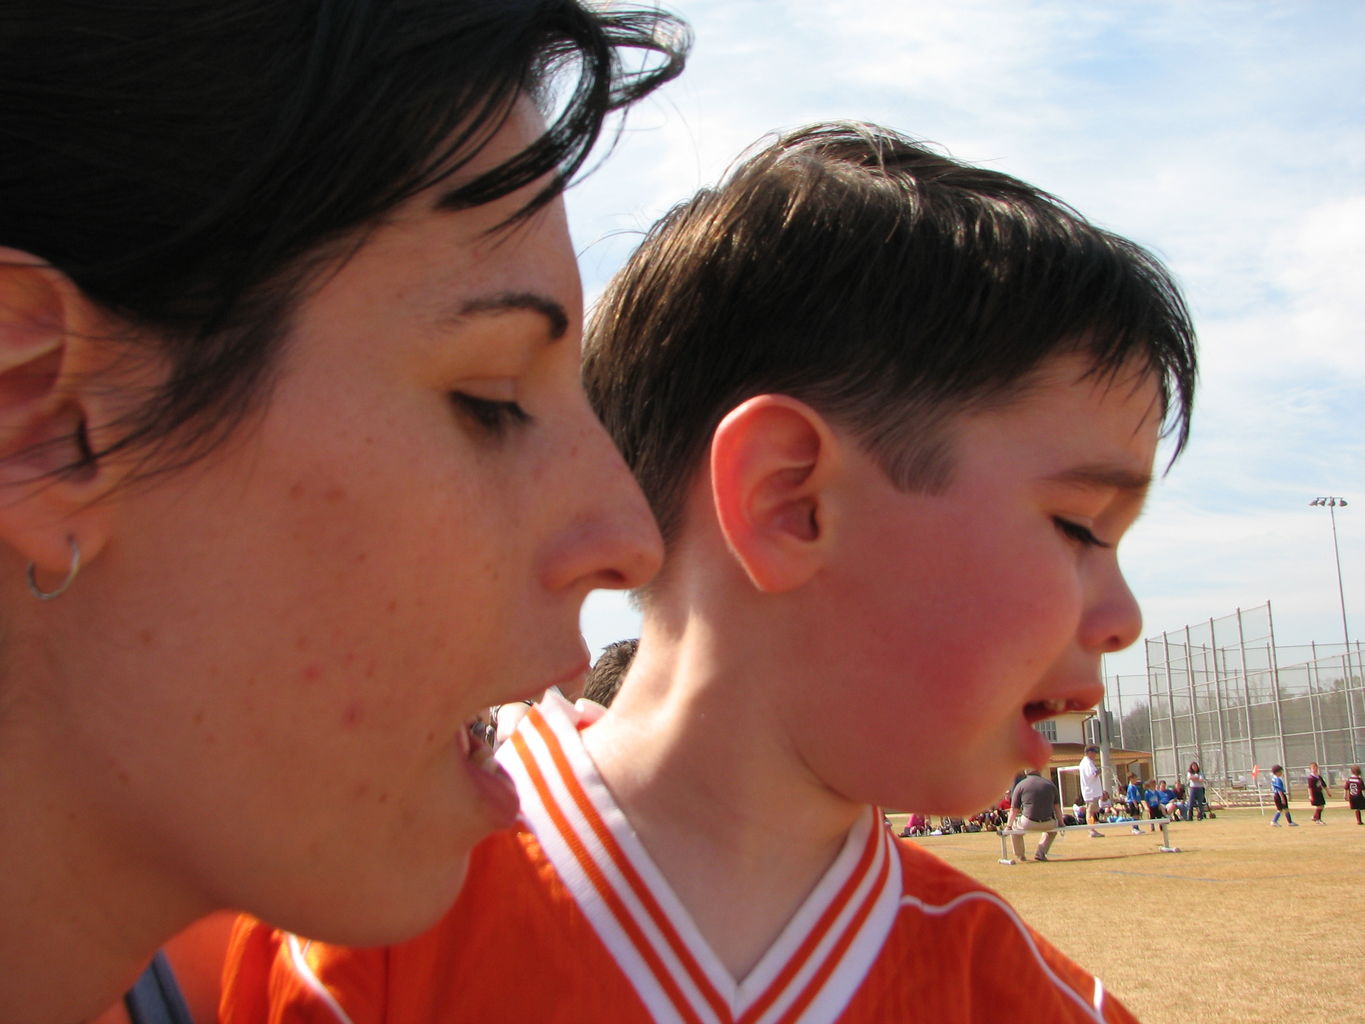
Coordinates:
930	390
289	330
608	672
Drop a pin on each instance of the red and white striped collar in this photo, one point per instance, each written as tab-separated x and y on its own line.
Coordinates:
809	973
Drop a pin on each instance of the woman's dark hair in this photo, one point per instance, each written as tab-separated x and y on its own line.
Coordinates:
191	165
1194	766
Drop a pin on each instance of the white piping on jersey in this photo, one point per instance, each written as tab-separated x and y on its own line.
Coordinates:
305	972
556	846
633	935
1095	1012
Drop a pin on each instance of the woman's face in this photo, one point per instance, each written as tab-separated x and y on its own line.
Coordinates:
295	630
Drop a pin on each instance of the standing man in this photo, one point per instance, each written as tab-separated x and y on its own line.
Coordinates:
1034	807
1091	788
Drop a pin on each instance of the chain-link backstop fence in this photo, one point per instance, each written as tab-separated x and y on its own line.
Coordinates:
1223	694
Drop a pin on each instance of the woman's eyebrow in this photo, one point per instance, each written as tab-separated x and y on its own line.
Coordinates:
557	319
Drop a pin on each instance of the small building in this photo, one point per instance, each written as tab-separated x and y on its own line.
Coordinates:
1069	738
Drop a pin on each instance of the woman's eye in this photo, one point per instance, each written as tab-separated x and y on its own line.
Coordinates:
1080	534
493	416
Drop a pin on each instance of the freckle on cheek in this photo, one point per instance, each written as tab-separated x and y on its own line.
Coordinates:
353	715
312	672
296	492
334	494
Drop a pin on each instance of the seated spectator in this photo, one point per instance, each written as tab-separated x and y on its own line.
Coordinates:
915	825
1153	800
1170	806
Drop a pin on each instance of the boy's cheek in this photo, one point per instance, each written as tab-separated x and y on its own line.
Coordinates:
921	760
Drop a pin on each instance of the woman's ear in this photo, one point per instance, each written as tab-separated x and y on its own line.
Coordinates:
772	459
50	394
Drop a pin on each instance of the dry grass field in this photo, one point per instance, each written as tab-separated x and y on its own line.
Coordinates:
1248	924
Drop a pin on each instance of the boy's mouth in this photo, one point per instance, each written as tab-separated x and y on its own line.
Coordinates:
1037	710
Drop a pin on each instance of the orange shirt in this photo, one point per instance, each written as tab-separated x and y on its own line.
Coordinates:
568	920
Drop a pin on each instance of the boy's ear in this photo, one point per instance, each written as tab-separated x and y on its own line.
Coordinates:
49	397
771	460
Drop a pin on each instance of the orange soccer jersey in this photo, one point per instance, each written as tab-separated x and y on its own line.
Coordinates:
569	920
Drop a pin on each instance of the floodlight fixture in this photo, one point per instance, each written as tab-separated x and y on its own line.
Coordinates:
1332	503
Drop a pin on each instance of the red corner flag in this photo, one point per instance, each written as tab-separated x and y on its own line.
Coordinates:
1255	770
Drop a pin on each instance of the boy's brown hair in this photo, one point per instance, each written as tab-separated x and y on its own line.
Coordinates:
887	286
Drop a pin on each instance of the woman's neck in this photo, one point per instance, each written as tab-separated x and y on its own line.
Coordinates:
81	916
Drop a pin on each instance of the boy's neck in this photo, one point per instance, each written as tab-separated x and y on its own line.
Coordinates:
694	755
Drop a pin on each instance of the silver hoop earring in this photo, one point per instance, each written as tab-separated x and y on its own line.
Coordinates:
75	567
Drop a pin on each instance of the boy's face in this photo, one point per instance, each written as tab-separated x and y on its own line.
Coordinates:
985	608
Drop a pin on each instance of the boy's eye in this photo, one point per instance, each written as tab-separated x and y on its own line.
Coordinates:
1079	533
493	416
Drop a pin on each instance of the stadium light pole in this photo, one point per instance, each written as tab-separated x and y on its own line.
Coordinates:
1331	502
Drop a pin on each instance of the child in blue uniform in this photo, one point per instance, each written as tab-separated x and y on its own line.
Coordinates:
1281	794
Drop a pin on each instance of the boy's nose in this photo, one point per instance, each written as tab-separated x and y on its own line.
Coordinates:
1113	621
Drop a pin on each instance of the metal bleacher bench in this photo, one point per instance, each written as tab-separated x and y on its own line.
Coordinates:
1004	834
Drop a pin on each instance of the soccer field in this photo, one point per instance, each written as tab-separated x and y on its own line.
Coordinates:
1248	923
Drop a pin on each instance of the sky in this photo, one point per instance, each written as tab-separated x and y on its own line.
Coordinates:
1227	137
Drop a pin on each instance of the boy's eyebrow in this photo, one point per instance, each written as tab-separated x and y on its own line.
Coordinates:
556	317
1105	475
